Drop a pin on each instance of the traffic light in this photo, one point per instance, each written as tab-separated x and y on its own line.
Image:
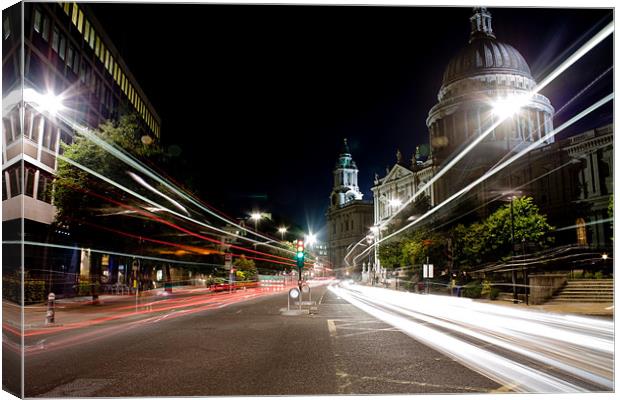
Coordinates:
300	255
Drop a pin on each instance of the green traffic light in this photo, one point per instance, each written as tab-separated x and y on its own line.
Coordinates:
300	254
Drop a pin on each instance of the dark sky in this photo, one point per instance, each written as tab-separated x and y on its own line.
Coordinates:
259	98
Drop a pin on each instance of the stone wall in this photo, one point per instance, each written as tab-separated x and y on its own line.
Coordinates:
542	287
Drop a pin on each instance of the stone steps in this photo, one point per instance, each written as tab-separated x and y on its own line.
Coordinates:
585	291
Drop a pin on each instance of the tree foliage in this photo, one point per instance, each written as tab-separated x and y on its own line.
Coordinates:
73	188
491	239
246	269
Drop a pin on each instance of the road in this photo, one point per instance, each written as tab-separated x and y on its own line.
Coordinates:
247	346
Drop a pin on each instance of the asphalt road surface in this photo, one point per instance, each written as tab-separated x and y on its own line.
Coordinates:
244	348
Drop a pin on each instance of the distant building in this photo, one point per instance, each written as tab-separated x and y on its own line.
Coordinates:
349	217
67	56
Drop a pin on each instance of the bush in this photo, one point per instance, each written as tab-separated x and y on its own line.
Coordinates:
34	291
588	275
598	275
472	290
494	293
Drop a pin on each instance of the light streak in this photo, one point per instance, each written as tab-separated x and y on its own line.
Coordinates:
589	45
155	204
142	182
577	346
497	169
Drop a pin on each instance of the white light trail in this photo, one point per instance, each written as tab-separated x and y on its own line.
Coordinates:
142	182
579	347
128	159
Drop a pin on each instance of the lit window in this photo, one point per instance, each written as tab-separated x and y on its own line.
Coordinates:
91	41
67	8
37	20
74	17
80	20
86	30
97	43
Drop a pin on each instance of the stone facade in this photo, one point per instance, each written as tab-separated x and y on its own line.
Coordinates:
349	218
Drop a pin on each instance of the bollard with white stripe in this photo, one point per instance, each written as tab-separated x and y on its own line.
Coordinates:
50	316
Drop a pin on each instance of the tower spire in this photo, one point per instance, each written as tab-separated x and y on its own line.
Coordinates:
480	24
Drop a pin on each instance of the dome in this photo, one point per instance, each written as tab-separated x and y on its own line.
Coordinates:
484	54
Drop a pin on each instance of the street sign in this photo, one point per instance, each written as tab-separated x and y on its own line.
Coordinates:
227	260
427	270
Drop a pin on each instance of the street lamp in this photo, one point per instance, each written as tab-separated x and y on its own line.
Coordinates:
256	216
282	231
311	239
48	102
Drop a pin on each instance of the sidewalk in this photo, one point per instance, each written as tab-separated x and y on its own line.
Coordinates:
591	309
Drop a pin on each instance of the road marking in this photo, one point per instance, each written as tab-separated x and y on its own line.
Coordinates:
416	383
332	327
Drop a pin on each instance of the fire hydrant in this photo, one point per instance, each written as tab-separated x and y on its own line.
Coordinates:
49	319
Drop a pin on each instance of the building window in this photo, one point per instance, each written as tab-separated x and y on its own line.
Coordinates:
97	44
61	47
44	188
86	30
29	182
5	194
76	63
67	8
49	137
55	39
69	56
91	40
6	25
15	181
74	16
37	20
45	28
582	236
80	20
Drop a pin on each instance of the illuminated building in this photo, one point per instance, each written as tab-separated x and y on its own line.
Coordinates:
485	81
67	58
348	217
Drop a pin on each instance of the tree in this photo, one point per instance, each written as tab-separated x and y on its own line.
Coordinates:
79	196
246	269
492	238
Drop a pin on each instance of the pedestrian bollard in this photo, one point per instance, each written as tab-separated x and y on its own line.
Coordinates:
49	319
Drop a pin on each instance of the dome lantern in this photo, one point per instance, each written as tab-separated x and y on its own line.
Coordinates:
480	24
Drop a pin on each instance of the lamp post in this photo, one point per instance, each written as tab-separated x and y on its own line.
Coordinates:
512	242
256	216
282	231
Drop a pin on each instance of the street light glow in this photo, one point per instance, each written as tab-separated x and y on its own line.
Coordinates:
256	216
48	102
311	239
508	106
282	230
395	203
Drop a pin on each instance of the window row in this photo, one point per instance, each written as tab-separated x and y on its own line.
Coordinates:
37	184
35	126
94	41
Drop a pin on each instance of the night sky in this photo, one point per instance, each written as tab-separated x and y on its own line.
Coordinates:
257	99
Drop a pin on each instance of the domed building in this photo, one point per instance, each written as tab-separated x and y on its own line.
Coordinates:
481	85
